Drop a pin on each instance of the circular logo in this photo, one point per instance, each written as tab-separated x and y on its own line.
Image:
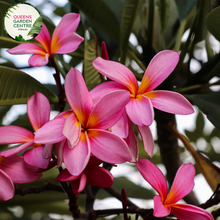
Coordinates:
22	22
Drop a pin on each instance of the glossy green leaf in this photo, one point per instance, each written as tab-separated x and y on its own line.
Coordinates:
200	123
16	87
212	22
127	20
3	8
203	8
36	28
184	7
209	104
163	7
90	73
100	14
23	121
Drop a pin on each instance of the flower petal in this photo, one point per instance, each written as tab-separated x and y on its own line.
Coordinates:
140	111
7	186
27	48
59	151
79	184
121	127
159	209
170	102
104	114
160	67
18	170
190	212
12	134
77	158
153	176
104	52
104	88
38	60
17	150
67	44
117	72
34	157
182	184
65	175
72	129
51	132
132	143
98	176
38	110
78	95
108	147
44	38
147	139
47	151
67	25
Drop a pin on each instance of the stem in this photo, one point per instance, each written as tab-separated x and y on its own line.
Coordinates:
56	76
135	58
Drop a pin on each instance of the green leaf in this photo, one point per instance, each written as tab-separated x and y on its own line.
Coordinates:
184	7
19	38
200	123
127	20
23	121
7	42
3	112
100	14
209	104
91	75
36	28
16	87
163	7
203	8
212	22
3	8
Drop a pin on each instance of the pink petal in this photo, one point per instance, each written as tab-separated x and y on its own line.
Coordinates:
121	127
27	48
104	88
98	176
104	52
182	185
147	139
65	175
51	132
78	95
12	134
79	184
59	151
38	110
67	44
140	111
34	157
153	176
117	72
67	25
7	186
38	60
159	209
104	114
44	38
160	67
190	212
17	150
72	129
47	151
108	147
18	170
170	102
94	161
132	143
77	158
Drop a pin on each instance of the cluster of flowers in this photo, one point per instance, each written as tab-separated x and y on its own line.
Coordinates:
98	127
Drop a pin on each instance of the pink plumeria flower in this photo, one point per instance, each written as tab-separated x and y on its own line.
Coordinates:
38	110
13	169
93	175
142	98
86	126
182	185
64	40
